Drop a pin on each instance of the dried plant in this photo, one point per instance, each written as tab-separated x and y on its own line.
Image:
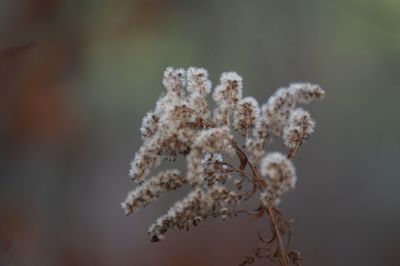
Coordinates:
222	172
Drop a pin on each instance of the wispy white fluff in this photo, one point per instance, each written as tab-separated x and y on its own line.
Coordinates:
246	114
226	96
181	125
299	128
281	177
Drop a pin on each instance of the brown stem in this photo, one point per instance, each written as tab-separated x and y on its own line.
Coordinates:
283	258
256	176
282	253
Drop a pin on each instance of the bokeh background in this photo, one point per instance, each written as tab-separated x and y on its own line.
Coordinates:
76	77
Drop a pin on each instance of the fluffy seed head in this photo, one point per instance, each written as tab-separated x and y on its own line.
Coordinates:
150	190
275	116
214	140
174	80
197	81
180	125
299	128
281	176
229	91
213	169
149	125
306	92
198	86
246	114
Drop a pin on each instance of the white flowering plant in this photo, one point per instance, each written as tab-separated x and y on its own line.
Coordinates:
225	151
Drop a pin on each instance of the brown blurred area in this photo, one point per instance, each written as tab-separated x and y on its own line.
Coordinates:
35	59
76	77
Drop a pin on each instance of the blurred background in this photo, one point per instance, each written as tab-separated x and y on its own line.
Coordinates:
76	78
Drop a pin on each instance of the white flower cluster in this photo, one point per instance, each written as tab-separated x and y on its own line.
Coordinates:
279	117
182	124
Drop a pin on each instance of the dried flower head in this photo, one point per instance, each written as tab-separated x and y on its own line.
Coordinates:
299	128
226	96
246	114
281	177
151	189
149	125
222	175
275	115
198	82
214	140
174	80
213	169
198	86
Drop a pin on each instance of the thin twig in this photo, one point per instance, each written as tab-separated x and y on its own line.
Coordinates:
282	252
